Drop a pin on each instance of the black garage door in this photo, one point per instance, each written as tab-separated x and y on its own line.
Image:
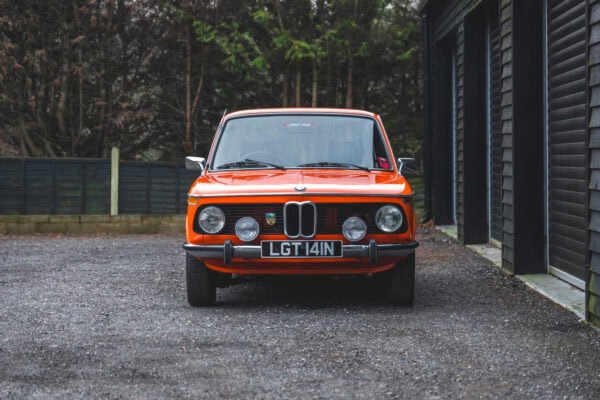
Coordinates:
495	94
567	145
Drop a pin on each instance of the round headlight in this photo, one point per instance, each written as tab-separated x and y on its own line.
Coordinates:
247	229
211	219
354	229
388	218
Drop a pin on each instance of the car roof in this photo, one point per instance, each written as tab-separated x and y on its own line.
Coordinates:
299	110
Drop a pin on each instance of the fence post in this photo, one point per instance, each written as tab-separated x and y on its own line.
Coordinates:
114	181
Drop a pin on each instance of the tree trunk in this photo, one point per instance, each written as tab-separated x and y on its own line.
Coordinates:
349	80
27	146
284	91
62	99
315	84
188	94
198	96
75	141
298	87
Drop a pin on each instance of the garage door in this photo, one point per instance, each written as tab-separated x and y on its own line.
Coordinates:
495	125
567	145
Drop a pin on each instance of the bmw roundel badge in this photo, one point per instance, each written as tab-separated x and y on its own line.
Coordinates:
270	218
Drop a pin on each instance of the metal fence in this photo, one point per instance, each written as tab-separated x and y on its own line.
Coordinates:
30	186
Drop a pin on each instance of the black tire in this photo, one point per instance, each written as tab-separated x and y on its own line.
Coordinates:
400	282
201	288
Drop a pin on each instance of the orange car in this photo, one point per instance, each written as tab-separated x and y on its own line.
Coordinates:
299	191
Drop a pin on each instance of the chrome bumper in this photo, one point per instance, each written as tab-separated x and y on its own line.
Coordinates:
371	251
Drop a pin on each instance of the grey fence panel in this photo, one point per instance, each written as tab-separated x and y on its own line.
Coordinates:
97	188
82	188
156	188
12	192
31	186
39	190
133	188
54	186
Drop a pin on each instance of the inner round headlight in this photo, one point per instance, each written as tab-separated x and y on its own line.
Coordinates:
388	218
354	229
247	229
211	219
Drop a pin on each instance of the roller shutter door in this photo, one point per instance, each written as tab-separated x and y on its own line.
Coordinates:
567	145
495	126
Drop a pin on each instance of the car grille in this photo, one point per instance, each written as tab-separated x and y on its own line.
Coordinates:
301	219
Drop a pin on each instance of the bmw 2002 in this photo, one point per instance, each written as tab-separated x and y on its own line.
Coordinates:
300	191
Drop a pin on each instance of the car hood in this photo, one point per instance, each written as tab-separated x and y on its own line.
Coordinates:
300	182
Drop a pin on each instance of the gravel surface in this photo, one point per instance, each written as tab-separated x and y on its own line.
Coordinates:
106	317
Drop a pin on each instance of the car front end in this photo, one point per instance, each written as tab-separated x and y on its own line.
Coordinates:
299	204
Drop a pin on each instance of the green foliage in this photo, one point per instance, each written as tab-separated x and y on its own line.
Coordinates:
79	77
263	17
205	33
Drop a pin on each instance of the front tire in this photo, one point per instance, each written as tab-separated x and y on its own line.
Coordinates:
201	287
400	282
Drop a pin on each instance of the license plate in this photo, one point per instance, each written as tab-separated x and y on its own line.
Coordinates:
301	248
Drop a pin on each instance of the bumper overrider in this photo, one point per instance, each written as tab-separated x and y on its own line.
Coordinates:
372	251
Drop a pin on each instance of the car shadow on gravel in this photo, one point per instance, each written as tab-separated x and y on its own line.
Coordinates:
304	292
449	279
441	273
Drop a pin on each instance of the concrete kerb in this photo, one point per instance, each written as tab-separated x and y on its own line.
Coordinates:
93	224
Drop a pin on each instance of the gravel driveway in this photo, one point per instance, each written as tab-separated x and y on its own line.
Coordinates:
106	317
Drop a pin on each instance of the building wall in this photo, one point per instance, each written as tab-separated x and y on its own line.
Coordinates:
447	108
522	122
568	105
527	139
508	229
465	120
594	144
460	130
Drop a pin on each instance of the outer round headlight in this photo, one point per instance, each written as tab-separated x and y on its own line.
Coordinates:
354	229
247	229
388	218
211	219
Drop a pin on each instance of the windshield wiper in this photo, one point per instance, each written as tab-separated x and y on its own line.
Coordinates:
249	163
334	165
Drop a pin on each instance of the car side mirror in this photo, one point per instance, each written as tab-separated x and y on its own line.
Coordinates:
407	165
195	163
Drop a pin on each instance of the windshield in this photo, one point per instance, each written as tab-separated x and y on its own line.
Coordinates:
300	141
